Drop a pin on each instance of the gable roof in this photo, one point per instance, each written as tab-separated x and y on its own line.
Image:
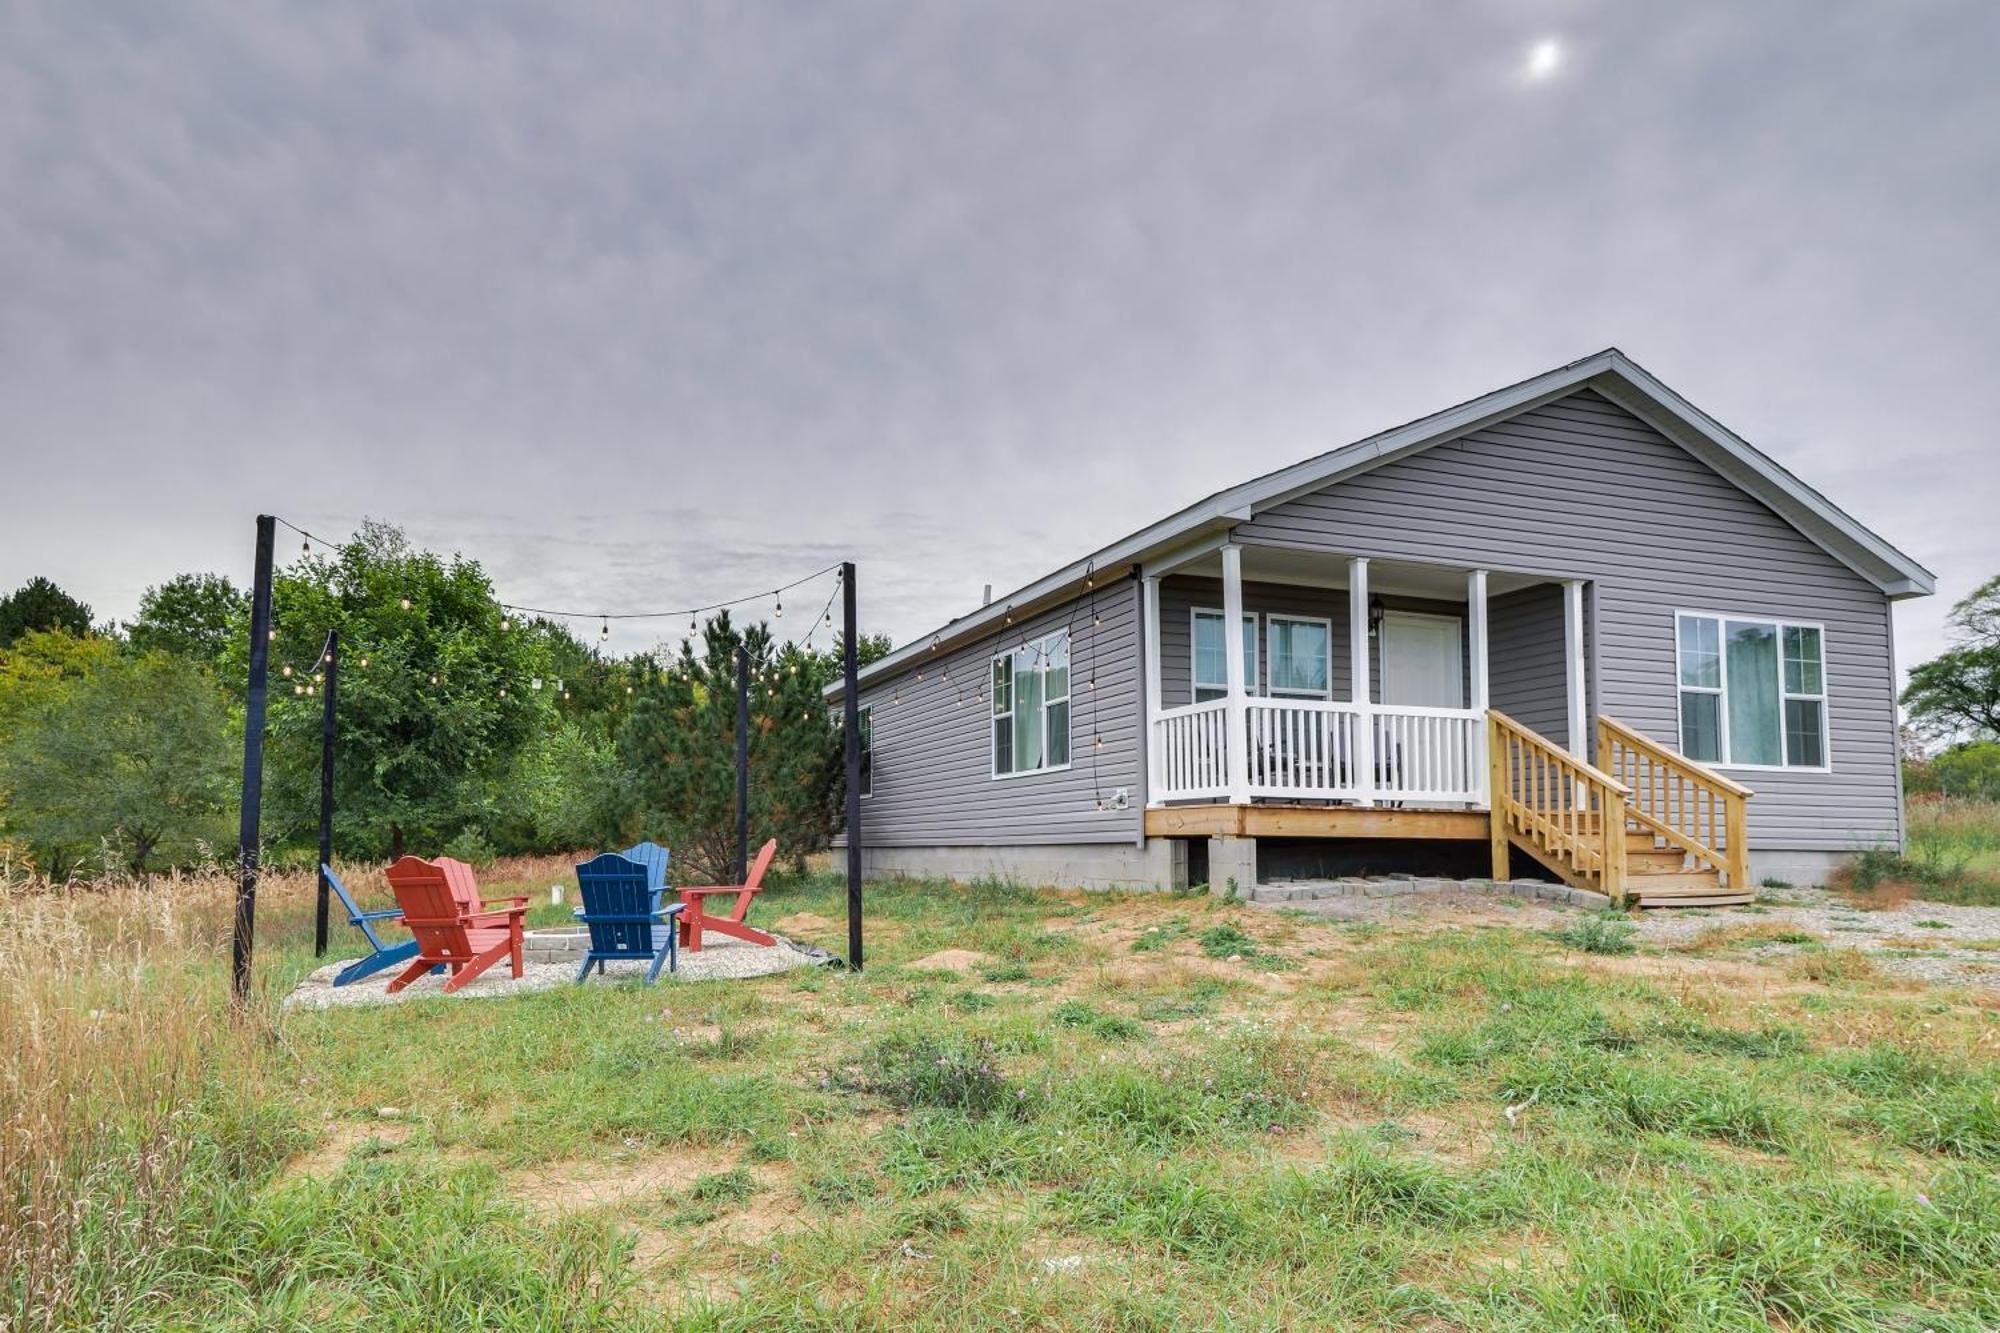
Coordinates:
1609	372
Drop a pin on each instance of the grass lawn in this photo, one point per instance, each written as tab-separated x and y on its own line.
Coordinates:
1034	1110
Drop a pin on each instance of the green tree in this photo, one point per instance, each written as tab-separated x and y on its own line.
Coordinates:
1956	695
134	755
39	604
435	705
1971	770
190	615
678	749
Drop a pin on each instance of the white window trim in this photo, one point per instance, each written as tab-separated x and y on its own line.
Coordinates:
864	718
1253	666
1825	696
1271	619
992	750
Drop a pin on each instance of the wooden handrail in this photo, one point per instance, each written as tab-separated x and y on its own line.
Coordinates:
1689	806
1557	802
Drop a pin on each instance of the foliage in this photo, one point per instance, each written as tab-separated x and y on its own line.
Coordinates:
39	604
1952	854
1970	770
191	615
1957	693
678	750
1598	934
136	753
43	663
434	706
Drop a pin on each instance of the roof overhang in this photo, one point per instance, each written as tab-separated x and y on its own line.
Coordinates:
1609	372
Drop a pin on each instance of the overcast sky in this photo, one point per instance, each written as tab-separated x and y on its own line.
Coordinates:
645	305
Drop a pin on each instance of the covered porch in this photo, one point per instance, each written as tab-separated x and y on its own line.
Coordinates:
1355	683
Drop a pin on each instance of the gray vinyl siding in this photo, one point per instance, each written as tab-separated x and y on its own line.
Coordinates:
1528	679
933	782
1181	595
1581	488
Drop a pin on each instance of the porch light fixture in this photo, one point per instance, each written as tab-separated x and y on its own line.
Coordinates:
1375	612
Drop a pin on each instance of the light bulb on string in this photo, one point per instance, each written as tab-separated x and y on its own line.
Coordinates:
288	668
405	603
503	691
434	679
535	684
778	607
505	624
364	664
605	632
272	635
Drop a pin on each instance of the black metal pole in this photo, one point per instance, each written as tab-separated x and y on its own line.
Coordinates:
742	764
249	832
331	683
851	725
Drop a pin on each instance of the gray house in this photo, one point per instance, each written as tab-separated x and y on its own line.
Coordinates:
1575	622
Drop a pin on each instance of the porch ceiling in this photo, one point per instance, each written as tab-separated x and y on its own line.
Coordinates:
1323	569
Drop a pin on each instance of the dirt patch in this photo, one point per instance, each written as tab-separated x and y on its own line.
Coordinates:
953	960
805	923
324	1162
575	1184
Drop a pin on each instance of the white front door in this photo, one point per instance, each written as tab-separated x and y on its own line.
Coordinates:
1423	660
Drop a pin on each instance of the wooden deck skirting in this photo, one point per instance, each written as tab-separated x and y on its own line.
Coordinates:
1308	821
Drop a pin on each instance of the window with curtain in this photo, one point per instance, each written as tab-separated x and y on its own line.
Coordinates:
1752	692
1301	655
1031	706
866	719
1211	669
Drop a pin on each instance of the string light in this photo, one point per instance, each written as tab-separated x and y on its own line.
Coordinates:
288	668
605	632
405	603
778	606
505	624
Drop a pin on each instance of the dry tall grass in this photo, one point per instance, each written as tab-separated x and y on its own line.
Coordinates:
118	1053
130	1088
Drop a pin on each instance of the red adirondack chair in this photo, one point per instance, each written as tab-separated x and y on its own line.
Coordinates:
453	925
695	917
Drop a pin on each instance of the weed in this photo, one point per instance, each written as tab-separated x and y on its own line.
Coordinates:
1599	934
938	1071
1109	1027
732	1186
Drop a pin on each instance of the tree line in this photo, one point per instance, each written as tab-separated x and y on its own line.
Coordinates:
461	730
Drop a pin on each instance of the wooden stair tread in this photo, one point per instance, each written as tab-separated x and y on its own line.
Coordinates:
1642	899
1673	881
1654	859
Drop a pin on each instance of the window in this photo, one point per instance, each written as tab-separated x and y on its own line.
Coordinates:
1752	692
867	728
1301	655
1031	707
1211	669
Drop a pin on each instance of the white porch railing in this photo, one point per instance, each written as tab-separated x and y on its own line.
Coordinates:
1190	750
1305	749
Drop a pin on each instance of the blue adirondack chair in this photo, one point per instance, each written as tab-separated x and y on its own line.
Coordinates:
621	906
385	955
652	856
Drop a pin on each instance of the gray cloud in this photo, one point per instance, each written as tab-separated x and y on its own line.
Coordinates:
646	305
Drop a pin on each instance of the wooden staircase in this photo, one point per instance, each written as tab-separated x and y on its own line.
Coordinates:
1656	830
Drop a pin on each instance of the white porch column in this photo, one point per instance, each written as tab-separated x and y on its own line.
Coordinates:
1579	742
1237	720
1156	754
1479	668
1357	646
